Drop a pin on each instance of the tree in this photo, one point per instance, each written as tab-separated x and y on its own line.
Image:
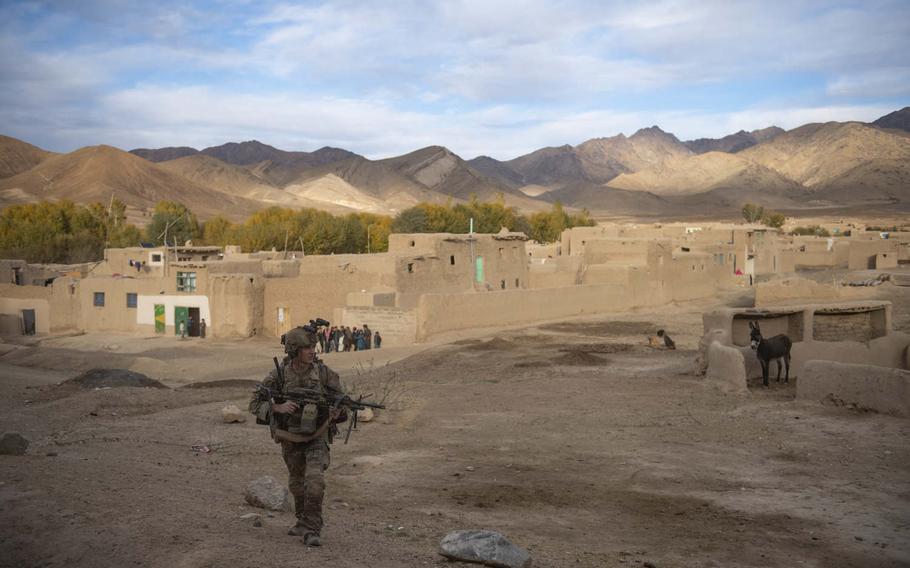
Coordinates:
217	231
774	220
175	221
752	213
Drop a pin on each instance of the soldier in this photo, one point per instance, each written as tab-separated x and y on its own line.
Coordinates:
306	460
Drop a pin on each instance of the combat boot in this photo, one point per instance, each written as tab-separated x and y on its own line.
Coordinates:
312	539
297	530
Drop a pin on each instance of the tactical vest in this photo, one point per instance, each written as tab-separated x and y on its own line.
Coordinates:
308	417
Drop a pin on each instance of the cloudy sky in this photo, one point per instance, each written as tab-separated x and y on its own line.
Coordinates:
478	76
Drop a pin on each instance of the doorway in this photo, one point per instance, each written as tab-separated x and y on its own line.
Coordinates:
181	315
284	320
28	322
193	327
159	318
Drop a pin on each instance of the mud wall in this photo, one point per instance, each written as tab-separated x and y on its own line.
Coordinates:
237	304
321	287
439	313
14	299
801	290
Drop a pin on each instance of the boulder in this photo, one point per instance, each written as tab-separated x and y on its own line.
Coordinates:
231	413
484	547
266	493
13	444
366	415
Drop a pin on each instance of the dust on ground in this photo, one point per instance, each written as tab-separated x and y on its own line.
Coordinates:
572	438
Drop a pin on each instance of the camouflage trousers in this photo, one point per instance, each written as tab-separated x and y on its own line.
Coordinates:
306	480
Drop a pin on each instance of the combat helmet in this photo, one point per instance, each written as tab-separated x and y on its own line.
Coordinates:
297	338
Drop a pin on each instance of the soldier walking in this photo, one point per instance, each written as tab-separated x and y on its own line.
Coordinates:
307	457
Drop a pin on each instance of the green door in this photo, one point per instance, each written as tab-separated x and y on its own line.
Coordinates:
478	269
180	316
159	318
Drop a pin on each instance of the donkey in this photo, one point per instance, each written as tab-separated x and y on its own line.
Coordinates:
778	347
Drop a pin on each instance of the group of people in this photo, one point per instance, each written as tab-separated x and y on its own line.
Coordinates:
344	338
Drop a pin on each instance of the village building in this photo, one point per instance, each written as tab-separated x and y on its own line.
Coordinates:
425	285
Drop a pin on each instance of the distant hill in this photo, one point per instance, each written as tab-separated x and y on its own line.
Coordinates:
164	154
734	142
899	119
17	156
95	173
817	154
705	172
440	170
597	160
815	166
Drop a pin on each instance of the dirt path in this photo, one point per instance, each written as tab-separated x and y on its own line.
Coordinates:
571	438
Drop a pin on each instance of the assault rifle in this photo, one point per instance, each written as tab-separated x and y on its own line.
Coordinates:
330	401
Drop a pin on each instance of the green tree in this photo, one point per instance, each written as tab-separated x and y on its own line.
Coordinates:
173	220
218	231
774	220
753	213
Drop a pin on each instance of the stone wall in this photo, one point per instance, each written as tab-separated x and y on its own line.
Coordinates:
396	325
844	327
862	387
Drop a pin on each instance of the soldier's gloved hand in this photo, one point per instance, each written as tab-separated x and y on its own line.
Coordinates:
288	407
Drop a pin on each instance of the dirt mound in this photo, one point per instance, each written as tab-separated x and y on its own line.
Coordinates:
225	383
605	328
597	348
98	378
581	359
495	344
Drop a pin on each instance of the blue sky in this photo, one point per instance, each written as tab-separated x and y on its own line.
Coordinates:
477	76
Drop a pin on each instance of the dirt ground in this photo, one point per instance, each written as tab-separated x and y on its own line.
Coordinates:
572	438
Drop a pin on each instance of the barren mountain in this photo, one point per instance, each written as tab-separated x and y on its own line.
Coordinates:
164	154
240	182
817	154
705	172
605	158
734	142
899	119
96	173
17	156
597	160
374	179
278	166
438	169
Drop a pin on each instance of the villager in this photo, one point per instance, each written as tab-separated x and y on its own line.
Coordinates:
202	328
359	341
321	337
668	343
377	339
189	326
348	338
367	336
181	328
311	425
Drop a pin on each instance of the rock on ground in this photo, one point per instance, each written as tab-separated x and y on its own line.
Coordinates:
13	444
484	547
366	415
267	493
231	413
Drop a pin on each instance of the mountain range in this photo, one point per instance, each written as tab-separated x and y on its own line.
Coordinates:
834	165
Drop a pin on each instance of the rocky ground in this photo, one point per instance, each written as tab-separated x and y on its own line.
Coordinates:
573	439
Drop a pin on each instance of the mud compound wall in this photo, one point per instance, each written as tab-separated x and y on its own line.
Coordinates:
802	290
863	387
321	287
14	299
439	313
236	305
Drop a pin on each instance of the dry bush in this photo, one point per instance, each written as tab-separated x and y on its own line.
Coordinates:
383	385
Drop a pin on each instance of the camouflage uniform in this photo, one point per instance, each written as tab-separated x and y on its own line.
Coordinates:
306	462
